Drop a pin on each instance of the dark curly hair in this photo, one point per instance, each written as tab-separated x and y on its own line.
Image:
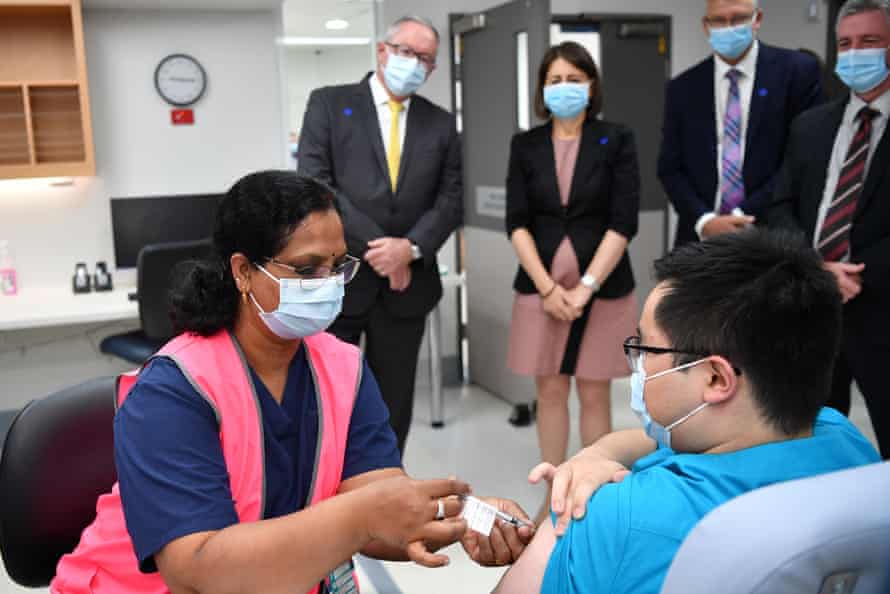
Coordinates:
255	217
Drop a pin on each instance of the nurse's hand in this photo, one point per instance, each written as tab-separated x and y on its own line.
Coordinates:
405	511
575	481
505	543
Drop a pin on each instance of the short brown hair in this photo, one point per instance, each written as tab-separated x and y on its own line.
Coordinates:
580	58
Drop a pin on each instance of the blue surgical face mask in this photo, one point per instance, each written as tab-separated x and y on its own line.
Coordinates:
731	42
862	70
654	429
567	100
302	311
403	76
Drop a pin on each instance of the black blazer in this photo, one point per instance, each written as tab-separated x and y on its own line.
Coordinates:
796	201
786	84
605	194
341	144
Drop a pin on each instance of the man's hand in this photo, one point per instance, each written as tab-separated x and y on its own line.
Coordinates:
387	254
725	224
400	279
575	482
848	276
505	543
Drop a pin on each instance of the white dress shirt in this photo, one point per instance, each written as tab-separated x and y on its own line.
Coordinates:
848	128
748	69
384	115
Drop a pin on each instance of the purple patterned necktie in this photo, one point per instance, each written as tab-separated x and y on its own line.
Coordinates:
732	186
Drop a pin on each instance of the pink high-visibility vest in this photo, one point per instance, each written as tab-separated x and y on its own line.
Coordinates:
105	562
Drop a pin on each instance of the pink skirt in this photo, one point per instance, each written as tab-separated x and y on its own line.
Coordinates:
538	341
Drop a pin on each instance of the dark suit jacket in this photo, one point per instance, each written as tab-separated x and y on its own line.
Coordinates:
786	83
341	144
798	194
605	194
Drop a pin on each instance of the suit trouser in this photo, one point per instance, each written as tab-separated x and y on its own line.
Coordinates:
392	345
862	362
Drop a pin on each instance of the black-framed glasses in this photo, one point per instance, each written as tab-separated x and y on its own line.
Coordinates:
733	21
405	51
633	346
314	276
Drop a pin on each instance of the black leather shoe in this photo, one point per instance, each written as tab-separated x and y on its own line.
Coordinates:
523	415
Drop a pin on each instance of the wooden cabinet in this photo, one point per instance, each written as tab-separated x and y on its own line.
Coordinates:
45	128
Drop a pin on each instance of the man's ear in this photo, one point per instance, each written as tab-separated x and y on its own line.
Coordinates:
723	381
758	20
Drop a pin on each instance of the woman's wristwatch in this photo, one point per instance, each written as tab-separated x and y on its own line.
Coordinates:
589	281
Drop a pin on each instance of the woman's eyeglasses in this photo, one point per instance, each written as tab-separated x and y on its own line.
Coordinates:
312	277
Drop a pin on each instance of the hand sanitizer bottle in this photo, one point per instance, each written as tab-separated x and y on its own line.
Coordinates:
8	283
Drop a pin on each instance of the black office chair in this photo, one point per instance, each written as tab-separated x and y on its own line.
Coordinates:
155	264
57	459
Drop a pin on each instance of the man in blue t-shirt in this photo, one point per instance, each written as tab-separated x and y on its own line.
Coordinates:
731	369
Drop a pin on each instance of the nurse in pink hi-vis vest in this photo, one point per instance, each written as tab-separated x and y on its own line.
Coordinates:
274	285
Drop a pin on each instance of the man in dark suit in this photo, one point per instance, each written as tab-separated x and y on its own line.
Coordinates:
394	159
726	122
834	186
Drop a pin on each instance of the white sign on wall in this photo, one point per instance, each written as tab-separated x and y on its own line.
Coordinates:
491	202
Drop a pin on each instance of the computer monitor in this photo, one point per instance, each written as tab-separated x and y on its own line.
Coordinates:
137	222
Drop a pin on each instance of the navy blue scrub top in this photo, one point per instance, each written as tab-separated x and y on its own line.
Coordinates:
170	464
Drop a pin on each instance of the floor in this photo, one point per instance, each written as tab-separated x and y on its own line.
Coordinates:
478	445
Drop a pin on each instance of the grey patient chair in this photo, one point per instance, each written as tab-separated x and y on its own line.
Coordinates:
828	534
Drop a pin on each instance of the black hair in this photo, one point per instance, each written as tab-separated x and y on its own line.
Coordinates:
762	300
256	218
575	54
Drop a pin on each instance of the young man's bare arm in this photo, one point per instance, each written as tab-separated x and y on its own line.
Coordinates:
527	574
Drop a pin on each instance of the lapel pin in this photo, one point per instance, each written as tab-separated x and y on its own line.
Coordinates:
763	92
347	112
604	140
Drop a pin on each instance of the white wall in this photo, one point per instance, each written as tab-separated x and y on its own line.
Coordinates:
238	129
138	152
786	24
309	68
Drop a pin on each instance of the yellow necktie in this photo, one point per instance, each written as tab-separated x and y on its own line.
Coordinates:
394	153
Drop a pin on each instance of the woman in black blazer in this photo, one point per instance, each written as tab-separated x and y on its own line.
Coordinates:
572	204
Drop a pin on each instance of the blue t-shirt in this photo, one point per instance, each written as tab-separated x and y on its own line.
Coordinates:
170	464
632	530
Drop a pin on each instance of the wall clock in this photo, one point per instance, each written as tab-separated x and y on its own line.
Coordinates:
180	80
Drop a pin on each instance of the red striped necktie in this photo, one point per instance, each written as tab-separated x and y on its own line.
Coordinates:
834	237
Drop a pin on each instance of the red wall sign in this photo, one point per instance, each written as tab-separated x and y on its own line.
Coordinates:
182	116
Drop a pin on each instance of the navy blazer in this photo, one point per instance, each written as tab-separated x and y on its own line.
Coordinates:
604	195
786	84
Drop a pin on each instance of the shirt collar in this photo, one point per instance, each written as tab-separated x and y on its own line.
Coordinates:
856	103
747	66
379	94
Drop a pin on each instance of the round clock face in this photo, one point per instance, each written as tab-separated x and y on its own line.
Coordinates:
180	80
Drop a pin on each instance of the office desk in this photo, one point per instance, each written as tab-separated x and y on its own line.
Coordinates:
59	306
